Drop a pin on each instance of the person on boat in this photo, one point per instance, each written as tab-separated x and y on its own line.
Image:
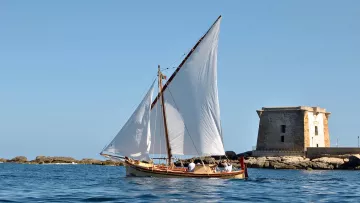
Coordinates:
191	166
224	164
228	168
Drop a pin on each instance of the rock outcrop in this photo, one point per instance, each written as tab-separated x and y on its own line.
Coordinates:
298	162
18	159
350	162
353	162
90	161
111	163
53	160
231	155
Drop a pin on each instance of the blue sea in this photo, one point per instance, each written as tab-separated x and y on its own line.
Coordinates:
90	183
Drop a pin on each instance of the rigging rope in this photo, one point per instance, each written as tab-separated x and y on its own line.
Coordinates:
160	123
172	64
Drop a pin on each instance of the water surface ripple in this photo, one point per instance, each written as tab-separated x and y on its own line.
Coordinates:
87	183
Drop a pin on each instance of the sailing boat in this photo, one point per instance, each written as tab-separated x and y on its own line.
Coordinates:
183	119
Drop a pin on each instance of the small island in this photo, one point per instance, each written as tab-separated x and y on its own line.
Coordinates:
59	160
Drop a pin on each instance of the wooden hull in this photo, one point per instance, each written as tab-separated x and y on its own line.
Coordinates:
136	170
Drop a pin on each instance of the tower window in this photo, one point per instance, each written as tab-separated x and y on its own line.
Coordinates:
283	128
316	130
317	145
282	138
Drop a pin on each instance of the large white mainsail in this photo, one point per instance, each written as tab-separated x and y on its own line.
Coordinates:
192	104
133	140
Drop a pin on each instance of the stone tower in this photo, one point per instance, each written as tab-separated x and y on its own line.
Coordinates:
292	128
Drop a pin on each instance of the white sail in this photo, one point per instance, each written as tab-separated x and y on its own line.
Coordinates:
158	142
133	140
192	104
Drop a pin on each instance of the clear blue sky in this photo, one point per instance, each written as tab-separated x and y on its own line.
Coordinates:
72	72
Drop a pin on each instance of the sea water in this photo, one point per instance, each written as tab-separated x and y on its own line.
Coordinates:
91	183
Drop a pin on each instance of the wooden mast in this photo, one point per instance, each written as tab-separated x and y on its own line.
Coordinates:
168	147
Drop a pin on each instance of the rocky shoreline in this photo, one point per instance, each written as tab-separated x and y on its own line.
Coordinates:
341	162
351	162
59	160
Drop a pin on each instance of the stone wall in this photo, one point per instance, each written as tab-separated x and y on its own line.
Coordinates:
316	120
269	134
326	131
306	130
315	152
274	153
